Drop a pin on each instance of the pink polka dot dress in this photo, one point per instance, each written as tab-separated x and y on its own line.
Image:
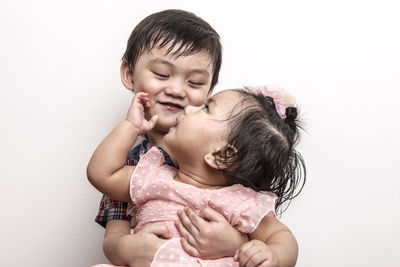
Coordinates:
158	197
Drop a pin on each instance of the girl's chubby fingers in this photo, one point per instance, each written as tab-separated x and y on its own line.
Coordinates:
138	97
255	259
153	120
144	99
242	249
255	253
243	255
140	94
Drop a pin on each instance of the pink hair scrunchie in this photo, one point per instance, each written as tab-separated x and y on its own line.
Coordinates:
282	99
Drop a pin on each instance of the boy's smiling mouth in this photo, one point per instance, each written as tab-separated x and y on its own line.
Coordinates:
171	106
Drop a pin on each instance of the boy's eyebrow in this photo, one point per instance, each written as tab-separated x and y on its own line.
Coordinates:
166	62
201	71
161	61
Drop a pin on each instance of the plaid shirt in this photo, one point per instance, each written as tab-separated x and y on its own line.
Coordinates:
111	209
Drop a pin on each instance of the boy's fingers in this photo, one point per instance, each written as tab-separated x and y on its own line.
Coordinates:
158	230
192	251
195	220
211	215
185	234
187	223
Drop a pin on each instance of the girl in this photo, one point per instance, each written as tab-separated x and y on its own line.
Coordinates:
235	153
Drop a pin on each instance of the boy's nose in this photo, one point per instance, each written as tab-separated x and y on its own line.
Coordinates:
176	90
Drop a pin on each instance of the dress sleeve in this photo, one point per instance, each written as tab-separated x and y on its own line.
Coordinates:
146	169
249	213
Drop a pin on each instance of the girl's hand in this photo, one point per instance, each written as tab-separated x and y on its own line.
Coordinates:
208	235
256	253
136	114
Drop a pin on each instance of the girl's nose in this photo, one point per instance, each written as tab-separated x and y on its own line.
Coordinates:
189	109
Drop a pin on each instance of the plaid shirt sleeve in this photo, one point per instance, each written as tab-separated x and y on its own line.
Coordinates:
111	210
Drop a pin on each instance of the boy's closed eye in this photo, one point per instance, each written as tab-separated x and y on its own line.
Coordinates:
205	107
162	75
196	83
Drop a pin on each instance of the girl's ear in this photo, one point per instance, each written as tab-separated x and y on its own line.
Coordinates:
210	160
216	161
126	75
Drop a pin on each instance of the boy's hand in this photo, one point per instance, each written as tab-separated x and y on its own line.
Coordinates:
256	253
136	114
139	249
208	235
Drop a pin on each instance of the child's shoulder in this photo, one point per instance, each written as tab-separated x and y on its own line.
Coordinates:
138	151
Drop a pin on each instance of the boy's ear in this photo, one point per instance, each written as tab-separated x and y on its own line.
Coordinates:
210	91
126	75
216	161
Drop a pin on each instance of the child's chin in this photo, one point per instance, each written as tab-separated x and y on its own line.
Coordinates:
164	125
171	130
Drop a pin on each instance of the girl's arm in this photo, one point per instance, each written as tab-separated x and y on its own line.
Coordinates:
106	170
278	246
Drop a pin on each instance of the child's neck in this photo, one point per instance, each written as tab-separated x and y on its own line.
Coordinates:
156	137
202	178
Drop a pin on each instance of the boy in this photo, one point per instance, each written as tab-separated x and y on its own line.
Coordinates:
174	56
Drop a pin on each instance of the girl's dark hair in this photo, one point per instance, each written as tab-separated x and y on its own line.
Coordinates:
261	152
175	28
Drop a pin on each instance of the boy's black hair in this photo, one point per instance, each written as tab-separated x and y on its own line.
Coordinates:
261	152
175	28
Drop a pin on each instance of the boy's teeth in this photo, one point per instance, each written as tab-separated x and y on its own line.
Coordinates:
173	105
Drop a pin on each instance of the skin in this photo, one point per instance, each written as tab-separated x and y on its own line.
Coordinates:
172	84
272	243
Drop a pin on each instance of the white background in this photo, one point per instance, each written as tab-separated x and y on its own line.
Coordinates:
61	94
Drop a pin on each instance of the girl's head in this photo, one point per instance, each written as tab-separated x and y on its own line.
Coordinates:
246	137
175	57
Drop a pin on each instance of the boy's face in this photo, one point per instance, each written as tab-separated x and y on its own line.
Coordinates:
172	83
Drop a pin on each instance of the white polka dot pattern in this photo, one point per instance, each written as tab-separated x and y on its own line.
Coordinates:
158	197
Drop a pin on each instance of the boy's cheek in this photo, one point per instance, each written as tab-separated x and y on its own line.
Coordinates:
198	98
